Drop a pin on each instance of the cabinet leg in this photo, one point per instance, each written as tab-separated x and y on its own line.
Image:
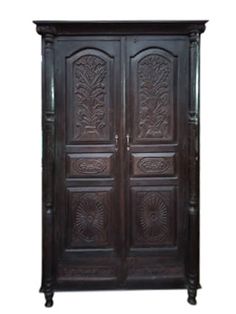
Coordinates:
192	293
49	300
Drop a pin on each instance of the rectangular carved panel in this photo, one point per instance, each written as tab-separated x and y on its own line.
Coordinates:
153	216
89	165
86	272
89	217
152	79
153	164
154	268
89	79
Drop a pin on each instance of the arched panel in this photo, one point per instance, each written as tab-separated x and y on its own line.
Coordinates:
152	78
89	96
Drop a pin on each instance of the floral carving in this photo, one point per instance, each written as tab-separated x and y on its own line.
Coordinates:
88	166
89	218
154	165
154	80
90	90
152	217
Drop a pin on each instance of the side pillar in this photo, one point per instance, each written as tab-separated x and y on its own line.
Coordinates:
48	128
193	210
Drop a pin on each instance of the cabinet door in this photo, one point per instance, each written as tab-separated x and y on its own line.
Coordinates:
156	157
87	160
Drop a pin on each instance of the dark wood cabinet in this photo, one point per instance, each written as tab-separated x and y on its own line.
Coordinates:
120	155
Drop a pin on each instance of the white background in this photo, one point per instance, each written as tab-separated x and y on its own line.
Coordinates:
20	158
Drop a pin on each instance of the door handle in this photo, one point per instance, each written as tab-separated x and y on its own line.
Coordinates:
116	142
127	142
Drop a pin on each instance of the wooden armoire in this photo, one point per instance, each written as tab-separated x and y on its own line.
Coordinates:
120	120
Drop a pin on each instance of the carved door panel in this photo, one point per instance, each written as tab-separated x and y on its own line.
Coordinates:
156	157
87	164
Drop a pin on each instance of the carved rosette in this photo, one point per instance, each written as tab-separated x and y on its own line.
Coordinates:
152	218
89	219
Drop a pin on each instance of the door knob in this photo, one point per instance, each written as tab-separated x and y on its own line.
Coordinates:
127	142
116	142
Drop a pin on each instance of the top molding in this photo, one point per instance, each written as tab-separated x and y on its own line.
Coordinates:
58	28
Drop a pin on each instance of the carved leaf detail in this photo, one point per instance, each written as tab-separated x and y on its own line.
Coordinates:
152	217
89	221
153	97
90	89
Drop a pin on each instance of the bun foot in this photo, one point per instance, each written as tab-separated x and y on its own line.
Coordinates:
192	293
192	290
49	303
49	300
192	300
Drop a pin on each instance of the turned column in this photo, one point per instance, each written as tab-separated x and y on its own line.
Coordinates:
193	209
48	128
